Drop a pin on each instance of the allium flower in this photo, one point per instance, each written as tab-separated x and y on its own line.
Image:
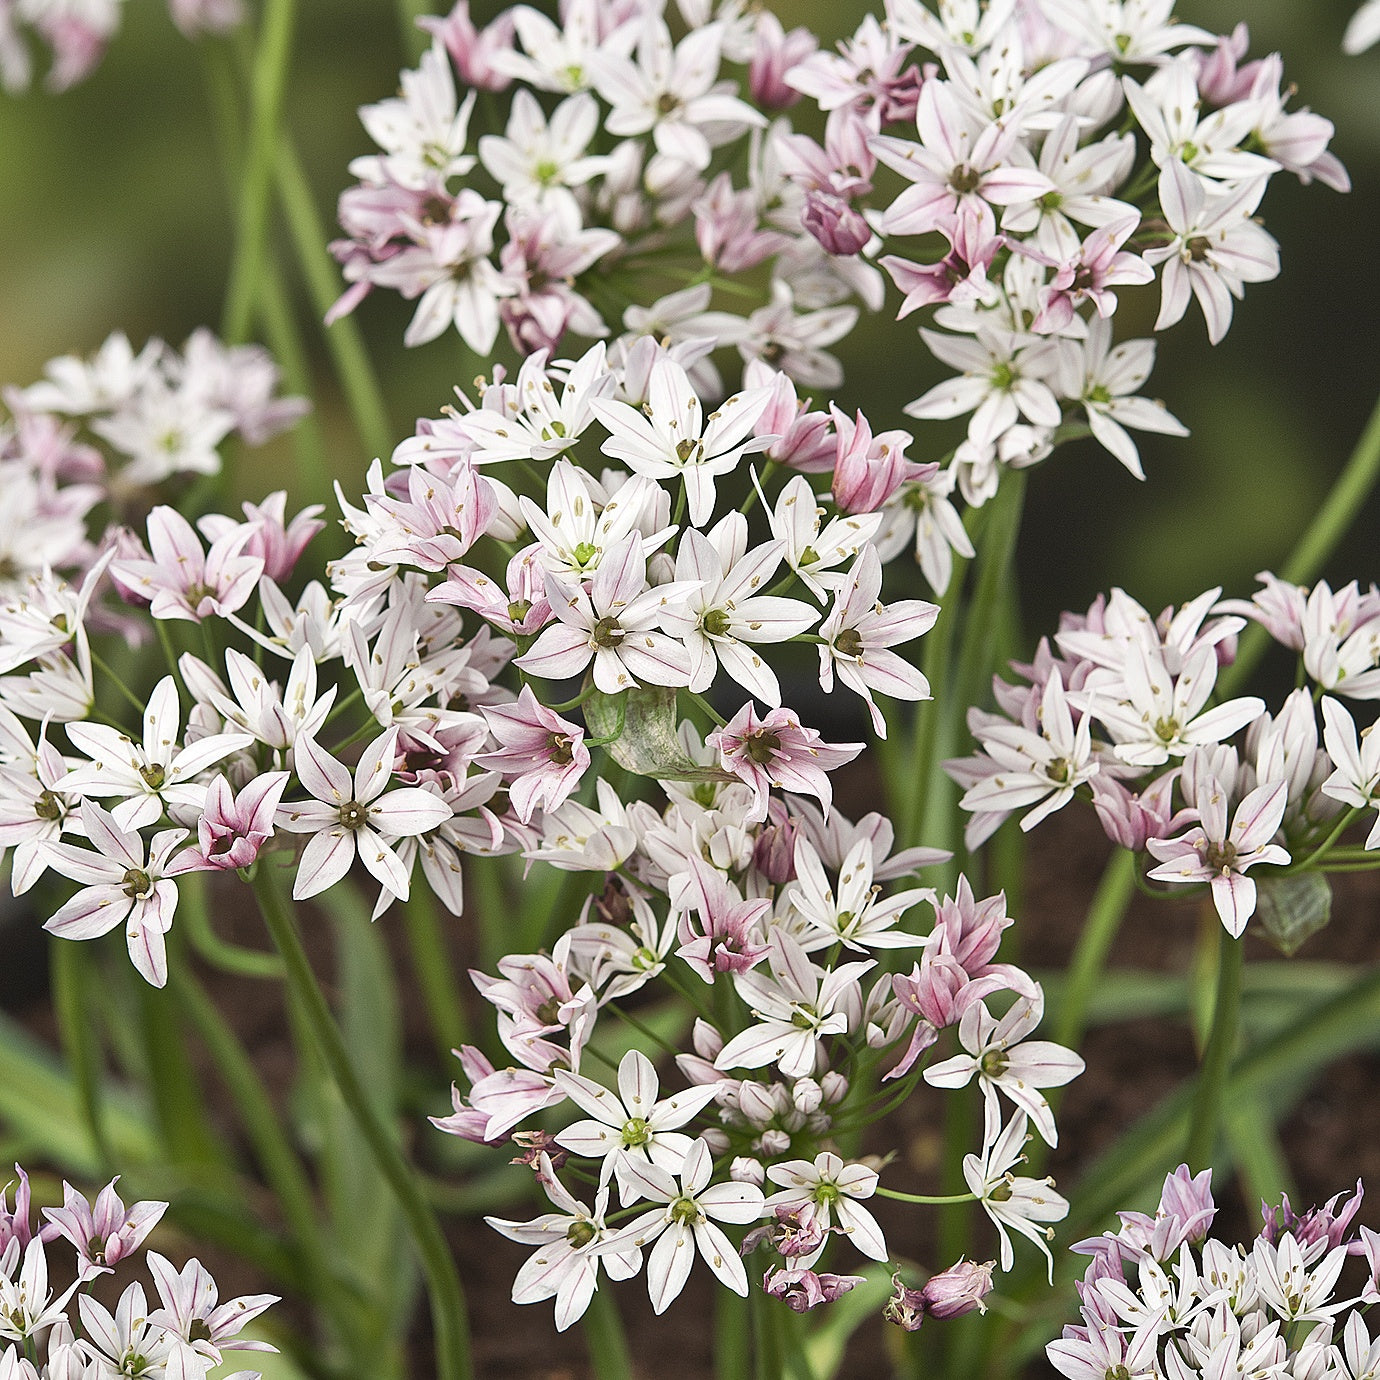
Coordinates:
1212	853
1217	248
565	1265
1010	1200
191	1308
828	1189
633	1123
779	752
1001	1058
232	829
544	754
612	626
671	439
120	886
684	1221
859	631
106	1233
349	815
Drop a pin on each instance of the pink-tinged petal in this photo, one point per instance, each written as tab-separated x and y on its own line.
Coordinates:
91	913
375	767
668	1265
861	1228
637	1084
560	652
408	811
80	864
148	952
590	1138
382	862
1005	185
721	1257
732	1202
1259	816
108	838
639	1178
592	1098
325	860
682	1107
320	773
1233	894
655	659
760	1045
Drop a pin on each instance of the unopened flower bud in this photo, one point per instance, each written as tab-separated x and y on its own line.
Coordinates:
834	1086
774	1142
746	1170
958	1290
838	227
807	1095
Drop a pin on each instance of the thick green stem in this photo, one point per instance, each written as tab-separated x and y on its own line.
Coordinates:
435	975
281	1166
443	1283
269	80
1103	920
608	1345
1217	1057
359	383
1336	515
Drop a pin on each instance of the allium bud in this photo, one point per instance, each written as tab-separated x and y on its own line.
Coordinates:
774	53
834	1086
774	1142
746	1170
958	1290
715	1139
807	1095
837	225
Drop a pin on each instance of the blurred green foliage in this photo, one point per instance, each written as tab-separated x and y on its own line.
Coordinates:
117	214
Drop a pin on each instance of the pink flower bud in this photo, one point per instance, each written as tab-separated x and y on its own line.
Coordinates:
958	1290
774	53
838	227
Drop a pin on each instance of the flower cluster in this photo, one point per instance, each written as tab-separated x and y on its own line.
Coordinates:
96	436
613	556
1163	1298
48	1333
1123	709
77	32
1023	162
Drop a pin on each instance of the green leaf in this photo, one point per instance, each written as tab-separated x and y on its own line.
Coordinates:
1292	907
648	744
827	1342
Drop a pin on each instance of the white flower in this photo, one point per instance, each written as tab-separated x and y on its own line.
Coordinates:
684	1222
827	1188
360	815
632	1124
1012	1201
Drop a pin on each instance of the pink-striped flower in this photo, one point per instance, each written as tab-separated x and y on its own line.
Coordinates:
779	751
1212	853
355	814
544	754
233	828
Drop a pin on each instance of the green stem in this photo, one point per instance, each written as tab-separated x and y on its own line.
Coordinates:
435	974
70	975
608	1344
443	1283
358	381
129	694
934	1200
268	81
1099	930
1212	1074
766	1333
220	953
281	1166
1336	515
